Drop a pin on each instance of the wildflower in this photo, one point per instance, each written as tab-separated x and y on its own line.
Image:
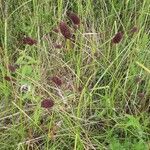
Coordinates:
7	78
65	30
74	18
47	103
117	38
29	41
12	68
57	80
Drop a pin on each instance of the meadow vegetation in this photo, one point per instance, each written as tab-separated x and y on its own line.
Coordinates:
74	75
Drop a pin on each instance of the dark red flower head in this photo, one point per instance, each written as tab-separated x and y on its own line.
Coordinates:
7	78
74	18
29	41
65	30
117	38
12	68
47	103
57	81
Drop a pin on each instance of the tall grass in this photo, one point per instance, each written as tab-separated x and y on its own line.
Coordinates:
88	91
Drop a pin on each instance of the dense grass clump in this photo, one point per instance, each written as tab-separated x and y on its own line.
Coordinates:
74	75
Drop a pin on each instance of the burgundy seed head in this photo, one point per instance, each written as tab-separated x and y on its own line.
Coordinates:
7	78
134	29
117	38
74	18
65	30
47	103
57	81
12	68
29	41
